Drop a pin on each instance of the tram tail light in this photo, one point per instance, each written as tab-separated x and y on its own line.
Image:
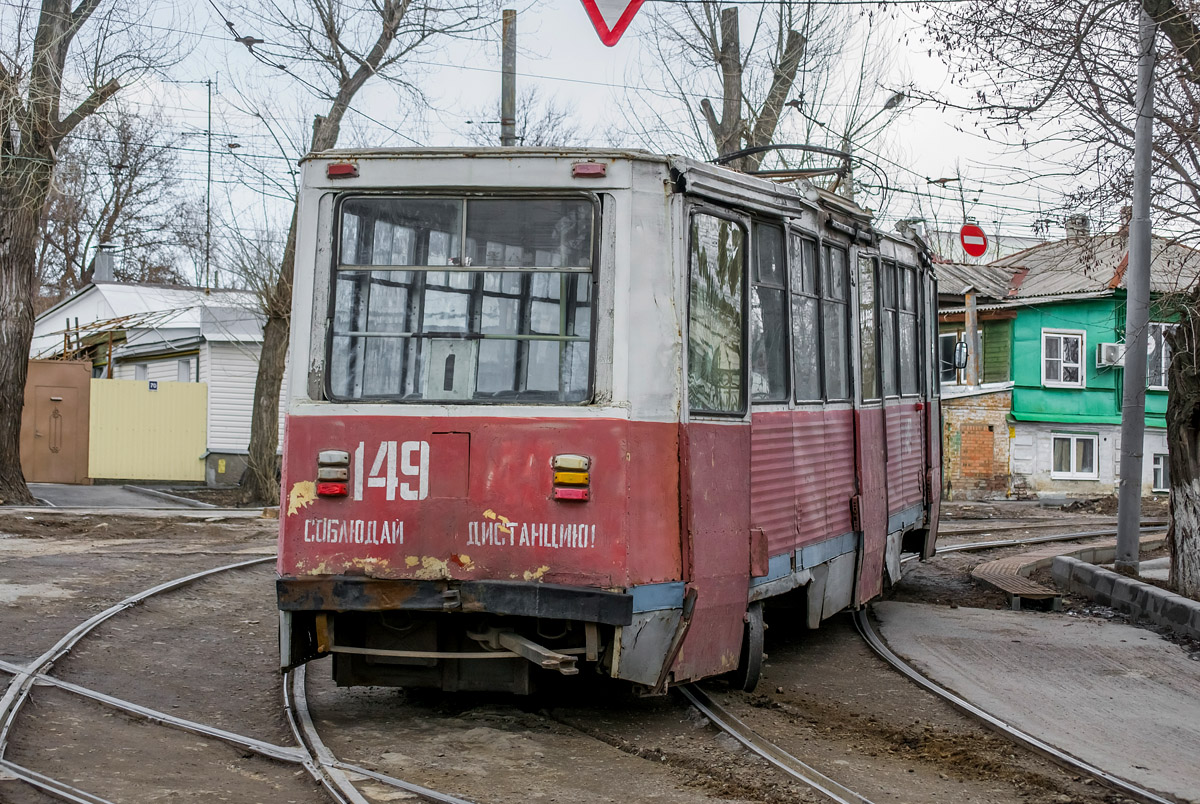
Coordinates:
342	170
333	473
572	477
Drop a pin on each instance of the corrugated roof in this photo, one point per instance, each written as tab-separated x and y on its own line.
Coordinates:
989	280
1097	263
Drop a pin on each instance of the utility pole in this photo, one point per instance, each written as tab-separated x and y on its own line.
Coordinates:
208	196
972	338
508	80
1137	313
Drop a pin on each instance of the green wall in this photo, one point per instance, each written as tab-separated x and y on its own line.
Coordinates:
996	364
1099	401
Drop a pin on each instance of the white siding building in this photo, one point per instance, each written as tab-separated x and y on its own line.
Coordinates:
167	334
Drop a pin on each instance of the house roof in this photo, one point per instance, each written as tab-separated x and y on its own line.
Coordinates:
955	278
1096	263
149	314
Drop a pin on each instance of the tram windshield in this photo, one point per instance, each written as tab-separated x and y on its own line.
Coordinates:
463	299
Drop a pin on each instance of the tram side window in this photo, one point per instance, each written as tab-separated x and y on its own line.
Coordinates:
768	317
910	335
806	320
888	319
506	318
835	322
867	329
716	264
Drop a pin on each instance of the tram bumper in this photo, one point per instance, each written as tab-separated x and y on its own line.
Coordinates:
433	633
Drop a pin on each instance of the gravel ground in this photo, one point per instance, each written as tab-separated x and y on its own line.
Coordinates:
208	653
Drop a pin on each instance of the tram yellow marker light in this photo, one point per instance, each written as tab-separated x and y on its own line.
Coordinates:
571	478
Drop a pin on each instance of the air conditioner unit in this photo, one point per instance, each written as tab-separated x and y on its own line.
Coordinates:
1110	354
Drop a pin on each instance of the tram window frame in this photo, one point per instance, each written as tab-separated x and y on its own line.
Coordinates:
888	287
776	365
574	280
805	289
743	228
867	271
911	368
836	309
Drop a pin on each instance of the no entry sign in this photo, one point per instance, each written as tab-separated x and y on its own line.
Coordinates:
611	17
973	240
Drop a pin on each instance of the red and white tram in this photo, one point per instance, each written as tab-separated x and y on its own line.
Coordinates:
552	409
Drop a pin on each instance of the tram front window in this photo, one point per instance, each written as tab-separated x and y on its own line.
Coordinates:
482	300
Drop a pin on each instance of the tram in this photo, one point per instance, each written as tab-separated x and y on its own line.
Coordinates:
553	410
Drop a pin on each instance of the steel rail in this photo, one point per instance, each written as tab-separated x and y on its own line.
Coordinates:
735	728
333	770
279	752
1055	537
1019	524
1013	733
18	687
48	785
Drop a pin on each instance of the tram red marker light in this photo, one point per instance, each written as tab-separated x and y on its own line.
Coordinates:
589	170
342	170
577	495
333	489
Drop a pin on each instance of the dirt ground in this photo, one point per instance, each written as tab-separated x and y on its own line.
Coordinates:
208	653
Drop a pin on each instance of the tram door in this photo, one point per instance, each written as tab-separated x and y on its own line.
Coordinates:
715	442
871	501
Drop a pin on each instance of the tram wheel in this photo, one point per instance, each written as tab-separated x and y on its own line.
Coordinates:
751	659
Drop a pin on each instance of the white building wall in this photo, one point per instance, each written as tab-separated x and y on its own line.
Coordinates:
1032	458
161	369
231	369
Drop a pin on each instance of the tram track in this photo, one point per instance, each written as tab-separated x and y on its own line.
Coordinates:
872	638
312	754
338	777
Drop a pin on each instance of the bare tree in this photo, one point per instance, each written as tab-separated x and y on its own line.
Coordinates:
59	63
1056	77
115	185
541	122
732	77
333	48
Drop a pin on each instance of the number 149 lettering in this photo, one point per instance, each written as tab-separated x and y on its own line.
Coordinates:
410	457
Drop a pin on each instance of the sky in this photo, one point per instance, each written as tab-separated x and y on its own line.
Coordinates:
561	55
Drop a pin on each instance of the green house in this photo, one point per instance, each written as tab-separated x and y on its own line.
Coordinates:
1052	353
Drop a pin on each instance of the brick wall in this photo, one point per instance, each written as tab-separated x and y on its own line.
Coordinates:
975	446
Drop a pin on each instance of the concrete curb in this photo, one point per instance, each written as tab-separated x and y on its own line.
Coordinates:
1138	599
175	498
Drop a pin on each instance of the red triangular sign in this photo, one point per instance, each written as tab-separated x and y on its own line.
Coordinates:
611	17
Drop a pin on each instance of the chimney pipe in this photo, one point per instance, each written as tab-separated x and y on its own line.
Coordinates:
102	270
1077	226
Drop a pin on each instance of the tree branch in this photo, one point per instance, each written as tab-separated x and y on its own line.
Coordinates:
88	107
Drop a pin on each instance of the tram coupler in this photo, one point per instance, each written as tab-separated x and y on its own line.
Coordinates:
540	655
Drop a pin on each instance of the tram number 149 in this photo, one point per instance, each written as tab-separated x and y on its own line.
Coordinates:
394	460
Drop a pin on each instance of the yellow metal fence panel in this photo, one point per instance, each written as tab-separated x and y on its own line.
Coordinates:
143	434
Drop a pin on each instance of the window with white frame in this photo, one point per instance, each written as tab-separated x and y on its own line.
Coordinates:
1062	358
141	371
1162	474
1158	358
1074	456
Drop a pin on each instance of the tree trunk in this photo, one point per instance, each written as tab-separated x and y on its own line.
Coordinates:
1183	444
18	263
260	485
